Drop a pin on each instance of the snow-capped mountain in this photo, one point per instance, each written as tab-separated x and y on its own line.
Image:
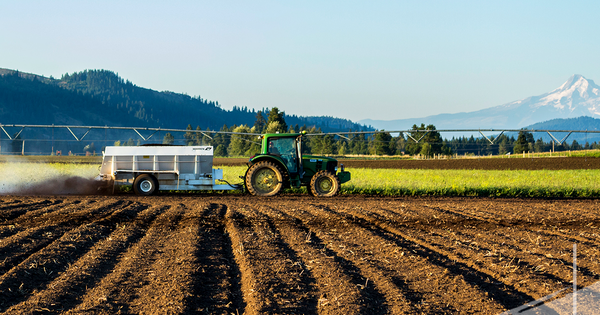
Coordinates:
576	97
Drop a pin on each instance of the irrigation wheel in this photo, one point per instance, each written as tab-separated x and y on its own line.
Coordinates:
264	179
324	184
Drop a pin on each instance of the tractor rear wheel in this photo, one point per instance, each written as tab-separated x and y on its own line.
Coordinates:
264	179
145	185
324	184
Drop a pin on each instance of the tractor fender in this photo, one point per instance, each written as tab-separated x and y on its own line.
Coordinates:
272	158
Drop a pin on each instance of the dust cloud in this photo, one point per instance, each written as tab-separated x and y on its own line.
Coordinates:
72	185
47	179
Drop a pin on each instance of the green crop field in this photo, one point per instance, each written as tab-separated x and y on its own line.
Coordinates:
388	182
506	183
515	183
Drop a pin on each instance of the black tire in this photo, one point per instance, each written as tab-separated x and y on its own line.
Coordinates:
264	179
145	185
324	184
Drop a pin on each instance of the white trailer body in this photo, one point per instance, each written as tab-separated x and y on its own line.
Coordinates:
172	167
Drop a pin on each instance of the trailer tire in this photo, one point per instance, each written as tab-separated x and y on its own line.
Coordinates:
264	179
324	184
145	185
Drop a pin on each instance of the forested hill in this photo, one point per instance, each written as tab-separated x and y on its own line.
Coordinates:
579	123
100	97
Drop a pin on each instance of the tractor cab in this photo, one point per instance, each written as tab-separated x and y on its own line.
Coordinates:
288	149
280	164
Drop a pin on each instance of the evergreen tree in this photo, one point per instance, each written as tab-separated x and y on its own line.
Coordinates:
426	150
198	136
189	136
357	144
326	144
521	145
504	145
276	116
260	123
429	135
220	150
400	144
168	139
382	144
342	148
576	146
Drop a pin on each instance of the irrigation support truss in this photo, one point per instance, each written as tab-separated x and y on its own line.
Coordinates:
207	133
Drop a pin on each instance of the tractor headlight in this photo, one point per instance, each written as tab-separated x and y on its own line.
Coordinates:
342	167
335	168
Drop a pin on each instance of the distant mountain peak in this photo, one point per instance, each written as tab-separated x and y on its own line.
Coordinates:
576	79
577	91
576	97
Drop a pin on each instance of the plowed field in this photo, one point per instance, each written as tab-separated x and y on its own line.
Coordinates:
293	254
536	163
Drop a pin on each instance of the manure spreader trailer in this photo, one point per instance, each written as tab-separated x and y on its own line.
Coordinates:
279	165
152	168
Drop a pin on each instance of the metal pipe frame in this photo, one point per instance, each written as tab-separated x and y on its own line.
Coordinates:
207	133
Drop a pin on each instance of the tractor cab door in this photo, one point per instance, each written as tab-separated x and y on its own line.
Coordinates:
287	150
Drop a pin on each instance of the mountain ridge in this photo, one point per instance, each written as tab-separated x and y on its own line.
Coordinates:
576	97
101	97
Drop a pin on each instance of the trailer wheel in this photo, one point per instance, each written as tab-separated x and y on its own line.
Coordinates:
264	179
145	185
324	184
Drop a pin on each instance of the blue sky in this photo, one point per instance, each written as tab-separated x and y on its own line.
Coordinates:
351	59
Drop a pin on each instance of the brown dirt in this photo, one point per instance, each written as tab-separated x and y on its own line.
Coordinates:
292	254
545	163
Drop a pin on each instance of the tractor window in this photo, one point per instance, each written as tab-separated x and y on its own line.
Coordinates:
286	149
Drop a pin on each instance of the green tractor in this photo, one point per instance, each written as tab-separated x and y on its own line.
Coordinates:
280	164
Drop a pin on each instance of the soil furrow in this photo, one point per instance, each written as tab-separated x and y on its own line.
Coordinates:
338	294
16	248
523	272
547	225
518	269
519	259
171	274
35	272
75	213
380	280
447	271
116	291
12	211
19	246
482	278
527	243
64	292
217	286
9	230
8	202
273	279
35	216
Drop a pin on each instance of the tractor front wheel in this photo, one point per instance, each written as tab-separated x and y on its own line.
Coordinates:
324	184
264	179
